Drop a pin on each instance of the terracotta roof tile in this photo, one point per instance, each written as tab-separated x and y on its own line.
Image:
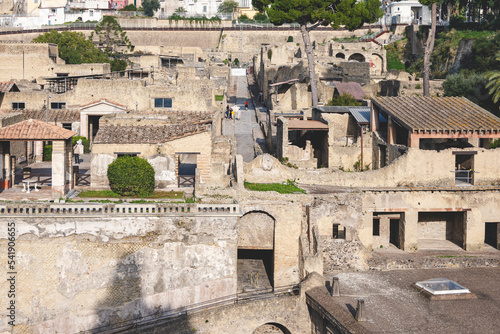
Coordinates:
55	115
438	113
146	134
352	88
33	129
8	86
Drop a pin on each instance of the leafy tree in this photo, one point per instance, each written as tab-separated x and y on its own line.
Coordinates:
345	99
73	47
129	8
470	85
228	6
110	35
494	83
150	6
243	17
118	65
260	17
310	14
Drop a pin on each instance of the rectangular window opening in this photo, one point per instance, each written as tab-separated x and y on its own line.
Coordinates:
163	103
18	105
376	226
338	232
57	105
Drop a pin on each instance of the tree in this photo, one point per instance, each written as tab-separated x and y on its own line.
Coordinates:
129	8
345	99
228	6
73	47
150	6
313	13
110	35
493	84
131	176
429	45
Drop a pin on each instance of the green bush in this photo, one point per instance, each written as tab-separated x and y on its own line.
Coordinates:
290	39
47	153
85	143
131	176
345	99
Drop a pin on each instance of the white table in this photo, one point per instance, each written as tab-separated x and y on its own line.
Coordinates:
26	185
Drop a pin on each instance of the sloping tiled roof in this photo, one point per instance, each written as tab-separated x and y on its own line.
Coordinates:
438	113
33	129
146	134
298	124
8	86
55	115
103	101
352	88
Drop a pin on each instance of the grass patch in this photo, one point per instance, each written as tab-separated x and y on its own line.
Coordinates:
395	55
288	188
111	194
219	97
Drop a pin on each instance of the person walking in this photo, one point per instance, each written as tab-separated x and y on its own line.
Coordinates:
228	110
246	105
77	150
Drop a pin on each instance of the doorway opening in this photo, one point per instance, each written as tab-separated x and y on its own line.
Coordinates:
93	126
187	169
394	232
492	235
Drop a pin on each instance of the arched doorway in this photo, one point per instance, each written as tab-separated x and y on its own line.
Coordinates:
357	57
376	64
271	328
340	55
255	252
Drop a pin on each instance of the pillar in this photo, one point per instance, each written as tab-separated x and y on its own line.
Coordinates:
58	168
413	140
391	131
473	229
38	151
68	157
6	166
408	231
84	125
374	118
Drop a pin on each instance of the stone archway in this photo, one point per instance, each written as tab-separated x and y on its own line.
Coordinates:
256	251
376	64
357	57
271	328
340	55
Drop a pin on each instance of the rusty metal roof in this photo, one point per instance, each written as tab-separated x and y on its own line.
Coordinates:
352	88
297	124
8	87
33	129
438	114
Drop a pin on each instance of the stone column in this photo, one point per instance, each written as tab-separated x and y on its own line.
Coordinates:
38	151
391	131
408	230
59	164
413	140
6	166
68	153
84	125
473	231
374	118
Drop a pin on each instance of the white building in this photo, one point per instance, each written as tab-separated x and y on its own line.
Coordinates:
405	12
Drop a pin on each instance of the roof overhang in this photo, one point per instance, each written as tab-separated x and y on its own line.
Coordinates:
296	124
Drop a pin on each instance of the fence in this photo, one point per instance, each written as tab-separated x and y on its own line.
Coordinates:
80	209
159	317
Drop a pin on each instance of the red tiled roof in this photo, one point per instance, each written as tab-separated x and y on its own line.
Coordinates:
438	113
54	115
8	86
146	134
352	88
33	129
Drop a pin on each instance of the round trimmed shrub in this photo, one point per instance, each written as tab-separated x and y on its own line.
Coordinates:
131	176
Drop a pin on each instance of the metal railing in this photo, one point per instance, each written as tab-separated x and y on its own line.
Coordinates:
464	176
163	316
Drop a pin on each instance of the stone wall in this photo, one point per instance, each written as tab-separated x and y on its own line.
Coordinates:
165	173
414	168
189	95
77	273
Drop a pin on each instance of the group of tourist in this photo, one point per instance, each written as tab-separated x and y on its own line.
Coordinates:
234	111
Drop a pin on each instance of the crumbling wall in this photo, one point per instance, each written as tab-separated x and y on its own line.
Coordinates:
78	273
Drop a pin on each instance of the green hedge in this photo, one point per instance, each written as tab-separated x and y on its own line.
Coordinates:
85	143
131	176
47	153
